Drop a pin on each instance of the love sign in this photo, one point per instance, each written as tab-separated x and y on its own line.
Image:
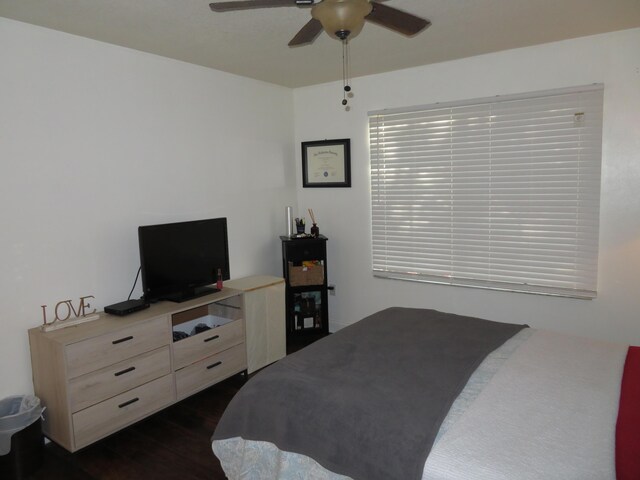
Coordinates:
66	314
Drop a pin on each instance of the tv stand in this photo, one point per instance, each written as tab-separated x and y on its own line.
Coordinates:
190	294
101	376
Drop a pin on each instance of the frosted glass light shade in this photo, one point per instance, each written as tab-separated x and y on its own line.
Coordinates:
338	16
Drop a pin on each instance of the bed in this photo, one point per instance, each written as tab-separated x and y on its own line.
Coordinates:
420	394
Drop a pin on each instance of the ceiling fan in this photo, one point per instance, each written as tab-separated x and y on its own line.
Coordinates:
341	19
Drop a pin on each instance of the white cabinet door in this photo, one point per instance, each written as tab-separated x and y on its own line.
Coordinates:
264	304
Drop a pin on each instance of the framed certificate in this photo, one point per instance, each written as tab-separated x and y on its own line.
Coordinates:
326	163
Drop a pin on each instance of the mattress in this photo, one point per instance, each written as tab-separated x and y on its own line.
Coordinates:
542	405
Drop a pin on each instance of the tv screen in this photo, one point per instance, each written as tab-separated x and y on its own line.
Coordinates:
180	261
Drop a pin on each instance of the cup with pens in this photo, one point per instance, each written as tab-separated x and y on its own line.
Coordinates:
300	225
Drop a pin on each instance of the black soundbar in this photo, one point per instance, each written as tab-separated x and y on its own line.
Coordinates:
125	308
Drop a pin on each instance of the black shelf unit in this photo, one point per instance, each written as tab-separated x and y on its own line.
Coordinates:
304	267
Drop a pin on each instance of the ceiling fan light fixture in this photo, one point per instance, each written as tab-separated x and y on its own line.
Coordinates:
342	18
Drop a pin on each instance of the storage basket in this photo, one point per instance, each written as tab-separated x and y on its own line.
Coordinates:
306	274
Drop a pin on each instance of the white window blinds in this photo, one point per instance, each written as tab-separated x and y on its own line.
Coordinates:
498	193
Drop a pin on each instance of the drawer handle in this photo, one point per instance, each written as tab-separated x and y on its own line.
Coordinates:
126	370
211	338
134	400
125	339
213	365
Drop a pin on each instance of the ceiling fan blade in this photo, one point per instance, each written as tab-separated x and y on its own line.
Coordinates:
307	34
248	4
396	20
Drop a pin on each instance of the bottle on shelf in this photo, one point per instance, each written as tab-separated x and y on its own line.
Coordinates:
219	281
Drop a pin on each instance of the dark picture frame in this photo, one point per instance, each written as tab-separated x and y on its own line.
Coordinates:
326	163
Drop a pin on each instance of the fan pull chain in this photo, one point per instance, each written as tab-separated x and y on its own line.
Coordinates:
345	70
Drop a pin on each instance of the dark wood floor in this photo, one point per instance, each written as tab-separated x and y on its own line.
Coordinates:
172	444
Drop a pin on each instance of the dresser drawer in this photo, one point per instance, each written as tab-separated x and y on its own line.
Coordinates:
211	370
309	249
197	347
106	417
98	352
94	387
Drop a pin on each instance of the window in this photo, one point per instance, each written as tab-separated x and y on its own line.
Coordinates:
498	193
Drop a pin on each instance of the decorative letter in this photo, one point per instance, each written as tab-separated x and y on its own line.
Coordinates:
87	305
69	308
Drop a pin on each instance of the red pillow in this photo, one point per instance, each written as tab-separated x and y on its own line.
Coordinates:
628	424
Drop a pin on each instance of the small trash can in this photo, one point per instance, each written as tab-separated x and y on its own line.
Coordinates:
21	439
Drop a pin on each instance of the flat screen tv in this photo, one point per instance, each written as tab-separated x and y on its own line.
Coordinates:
180	261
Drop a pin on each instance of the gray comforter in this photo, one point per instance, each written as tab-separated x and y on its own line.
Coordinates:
366	402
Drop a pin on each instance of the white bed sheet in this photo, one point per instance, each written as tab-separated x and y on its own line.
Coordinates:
548	413
491	431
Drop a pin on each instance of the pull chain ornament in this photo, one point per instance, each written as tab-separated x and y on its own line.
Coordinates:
345	71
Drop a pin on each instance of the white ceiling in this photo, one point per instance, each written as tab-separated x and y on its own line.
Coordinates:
253	43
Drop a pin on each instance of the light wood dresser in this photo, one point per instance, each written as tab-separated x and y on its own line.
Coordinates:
101	376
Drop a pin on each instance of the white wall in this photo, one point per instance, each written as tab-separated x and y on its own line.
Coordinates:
344	214
95	140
